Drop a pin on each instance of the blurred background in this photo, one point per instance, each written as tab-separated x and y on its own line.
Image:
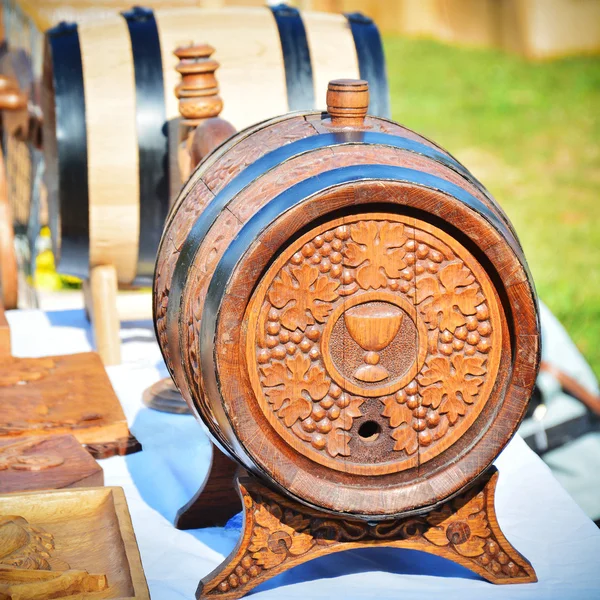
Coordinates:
512	89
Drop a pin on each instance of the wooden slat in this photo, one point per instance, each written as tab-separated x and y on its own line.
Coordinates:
332	51
112	146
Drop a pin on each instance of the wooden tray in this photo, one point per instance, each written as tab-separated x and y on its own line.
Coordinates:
46	463
57	395
73	538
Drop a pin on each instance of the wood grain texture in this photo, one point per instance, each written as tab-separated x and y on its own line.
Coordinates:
367	348
100	294
249	50
112	146
325	346
305	479
58	395
42	463
201	129
279	534
69	541
118	447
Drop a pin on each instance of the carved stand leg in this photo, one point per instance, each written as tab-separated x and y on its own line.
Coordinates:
280	534
216	501
101	304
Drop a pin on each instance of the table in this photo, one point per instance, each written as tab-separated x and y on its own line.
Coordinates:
536	514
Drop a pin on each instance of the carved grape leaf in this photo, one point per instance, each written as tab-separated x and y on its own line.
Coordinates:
337	443
310	296
289	381
406	439
377	251
457	389
348	414
446	308
396	412
440	431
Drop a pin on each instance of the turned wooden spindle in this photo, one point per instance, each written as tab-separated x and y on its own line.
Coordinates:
199	105
198	91
347	102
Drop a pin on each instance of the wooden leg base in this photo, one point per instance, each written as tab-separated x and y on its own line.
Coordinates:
100	295
165	397
216	501
279	534
121	447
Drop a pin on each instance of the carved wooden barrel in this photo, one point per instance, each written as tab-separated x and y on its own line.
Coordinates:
347	310
109	109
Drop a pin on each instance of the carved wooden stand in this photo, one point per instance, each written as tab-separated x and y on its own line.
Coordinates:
279	534
216	501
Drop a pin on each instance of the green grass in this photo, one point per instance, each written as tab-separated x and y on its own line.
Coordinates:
531	133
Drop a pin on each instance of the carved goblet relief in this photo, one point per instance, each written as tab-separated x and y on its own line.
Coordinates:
373	327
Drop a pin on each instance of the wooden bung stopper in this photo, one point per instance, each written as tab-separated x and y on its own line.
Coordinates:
199	105
198	91
347	102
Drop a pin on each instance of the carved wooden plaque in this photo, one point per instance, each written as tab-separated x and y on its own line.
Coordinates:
373	343
46	462
69	544
58	395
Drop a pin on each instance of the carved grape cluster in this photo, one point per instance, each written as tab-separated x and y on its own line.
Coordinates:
245	570
472	337
495	560
298	388
363	256
414	424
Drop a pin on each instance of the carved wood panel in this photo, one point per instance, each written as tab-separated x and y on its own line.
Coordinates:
28	569
279	534
373	343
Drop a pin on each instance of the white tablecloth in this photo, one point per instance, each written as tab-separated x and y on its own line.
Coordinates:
536	514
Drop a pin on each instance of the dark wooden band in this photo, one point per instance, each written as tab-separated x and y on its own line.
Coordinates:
296	57
371	62
153	143
72	233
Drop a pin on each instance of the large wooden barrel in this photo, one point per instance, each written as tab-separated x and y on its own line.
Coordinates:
109	104
23	23
347	310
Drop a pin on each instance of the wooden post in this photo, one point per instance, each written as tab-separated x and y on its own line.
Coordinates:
12	100
100	294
